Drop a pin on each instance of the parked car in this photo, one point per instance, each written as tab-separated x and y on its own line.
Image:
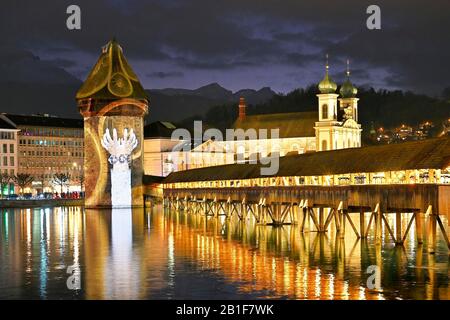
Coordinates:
12	196
48	195
27	196
39	196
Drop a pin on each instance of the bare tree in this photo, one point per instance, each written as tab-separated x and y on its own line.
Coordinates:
61	180
80	180
4	181
23	180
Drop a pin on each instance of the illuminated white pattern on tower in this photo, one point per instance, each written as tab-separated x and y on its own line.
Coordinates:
120	150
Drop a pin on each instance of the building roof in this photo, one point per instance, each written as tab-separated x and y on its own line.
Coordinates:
425	154
112	77
148	179
159	129
44	121
5	123
291	125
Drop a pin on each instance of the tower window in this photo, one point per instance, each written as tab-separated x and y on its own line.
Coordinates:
325	111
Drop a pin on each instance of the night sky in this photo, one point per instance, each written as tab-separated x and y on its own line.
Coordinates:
239	44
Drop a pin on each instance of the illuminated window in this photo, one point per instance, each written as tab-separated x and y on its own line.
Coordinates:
325	111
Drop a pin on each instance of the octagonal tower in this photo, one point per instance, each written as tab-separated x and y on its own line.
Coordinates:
113	104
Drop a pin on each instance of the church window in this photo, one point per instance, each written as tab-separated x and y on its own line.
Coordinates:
324	111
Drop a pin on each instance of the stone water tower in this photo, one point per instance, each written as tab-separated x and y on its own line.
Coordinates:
113	104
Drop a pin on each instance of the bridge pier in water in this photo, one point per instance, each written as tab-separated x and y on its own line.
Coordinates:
319	209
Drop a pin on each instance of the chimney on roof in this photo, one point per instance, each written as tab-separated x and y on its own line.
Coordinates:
242	107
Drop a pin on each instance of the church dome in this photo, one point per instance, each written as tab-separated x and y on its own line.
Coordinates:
348	90
327	85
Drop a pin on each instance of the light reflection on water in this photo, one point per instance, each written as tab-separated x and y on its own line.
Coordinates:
152	254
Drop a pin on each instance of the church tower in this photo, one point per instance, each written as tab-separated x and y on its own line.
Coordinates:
348	114
325	127
348	103
113	104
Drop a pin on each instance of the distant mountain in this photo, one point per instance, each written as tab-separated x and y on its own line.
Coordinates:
55	99
31	85
255	97
175	104
214	91
165	107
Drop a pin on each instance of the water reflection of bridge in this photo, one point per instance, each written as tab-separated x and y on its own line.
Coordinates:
282	262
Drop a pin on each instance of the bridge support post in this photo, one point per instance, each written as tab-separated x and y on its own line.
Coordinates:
378	222
303	219
294	213
419	217
321	219
276	207
362	224
398	228
342	223
263	213
432	228
243	209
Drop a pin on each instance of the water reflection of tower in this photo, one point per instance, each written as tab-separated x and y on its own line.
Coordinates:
115	269
122	274
96	253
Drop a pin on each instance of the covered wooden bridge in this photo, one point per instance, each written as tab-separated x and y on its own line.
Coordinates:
410	178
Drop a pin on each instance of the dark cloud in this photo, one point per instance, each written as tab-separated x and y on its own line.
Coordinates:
164	75
213	40
299	59
63	63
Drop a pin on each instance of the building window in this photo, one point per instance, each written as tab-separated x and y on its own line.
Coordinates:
324	145
5	148
11	148
5	161
325	111
11	161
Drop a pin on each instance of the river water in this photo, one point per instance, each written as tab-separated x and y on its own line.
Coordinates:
73	253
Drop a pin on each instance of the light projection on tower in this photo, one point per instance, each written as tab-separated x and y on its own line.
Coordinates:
120	150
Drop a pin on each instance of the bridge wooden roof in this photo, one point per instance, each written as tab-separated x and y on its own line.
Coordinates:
426	154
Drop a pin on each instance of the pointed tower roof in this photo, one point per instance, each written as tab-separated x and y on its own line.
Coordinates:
327	85
112	77
348	90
